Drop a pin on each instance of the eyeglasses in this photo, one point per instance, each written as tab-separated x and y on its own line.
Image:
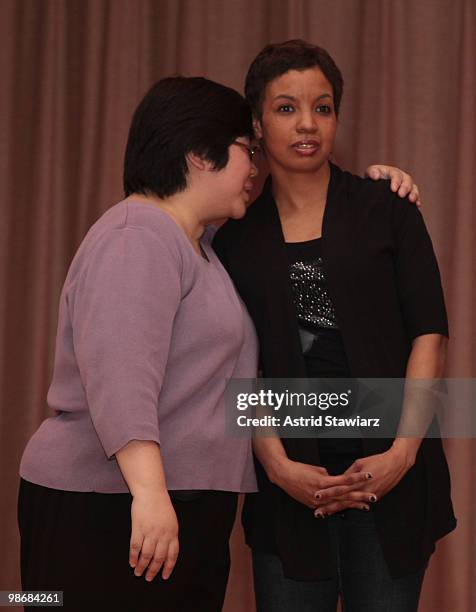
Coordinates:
251	149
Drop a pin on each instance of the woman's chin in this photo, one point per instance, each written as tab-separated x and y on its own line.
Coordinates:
306	164
239	209
238	214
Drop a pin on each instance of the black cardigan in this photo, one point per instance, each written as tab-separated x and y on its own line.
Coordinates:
384	282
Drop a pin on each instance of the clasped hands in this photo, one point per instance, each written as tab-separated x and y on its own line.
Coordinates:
365	482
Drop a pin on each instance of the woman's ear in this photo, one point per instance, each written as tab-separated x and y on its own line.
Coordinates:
198	162
257	128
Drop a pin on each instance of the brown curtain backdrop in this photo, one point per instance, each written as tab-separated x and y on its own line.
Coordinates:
72	72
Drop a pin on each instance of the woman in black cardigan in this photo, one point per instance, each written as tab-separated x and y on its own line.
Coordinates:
341	280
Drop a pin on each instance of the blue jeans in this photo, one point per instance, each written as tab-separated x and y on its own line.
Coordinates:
362	581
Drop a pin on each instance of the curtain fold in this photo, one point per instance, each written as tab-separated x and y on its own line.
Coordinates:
73	72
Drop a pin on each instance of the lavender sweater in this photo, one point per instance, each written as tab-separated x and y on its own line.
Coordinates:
148	333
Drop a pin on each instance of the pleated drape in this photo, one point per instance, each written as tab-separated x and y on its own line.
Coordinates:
72	73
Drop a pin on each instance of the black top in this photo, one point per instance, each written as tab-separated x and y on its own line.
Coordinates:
321	340
385	286
314	307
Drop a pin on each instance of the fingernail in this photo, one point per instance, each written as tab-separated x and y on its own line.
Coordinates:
372	498
368	475
319	515
318	496
366	508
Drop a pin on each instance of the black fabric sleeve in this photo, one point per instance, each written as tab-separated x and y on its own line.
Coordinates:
418	277
220	242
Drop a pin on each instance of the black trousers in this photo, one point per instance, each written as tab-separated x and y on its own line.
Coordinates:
78	543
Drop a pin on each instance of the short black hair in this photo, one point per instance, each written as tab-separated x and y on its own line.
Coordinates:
181	115
277	58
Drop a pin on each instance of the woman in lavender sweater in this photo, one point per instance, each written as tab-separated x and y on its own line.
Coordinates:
150	327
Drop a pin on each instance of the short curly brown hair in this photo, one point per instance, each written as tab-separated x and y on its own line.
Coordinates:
277	58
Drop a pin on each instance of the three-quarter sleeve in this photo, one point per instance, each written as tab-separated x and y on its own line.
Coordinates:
122	308
417	274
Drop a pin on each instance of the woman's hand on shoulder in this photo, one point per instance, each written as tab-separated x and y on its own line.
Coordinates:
303	481
400	182
154	539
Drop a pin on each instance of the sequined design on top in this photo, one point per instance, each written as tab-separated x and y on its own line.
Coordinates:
311	299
